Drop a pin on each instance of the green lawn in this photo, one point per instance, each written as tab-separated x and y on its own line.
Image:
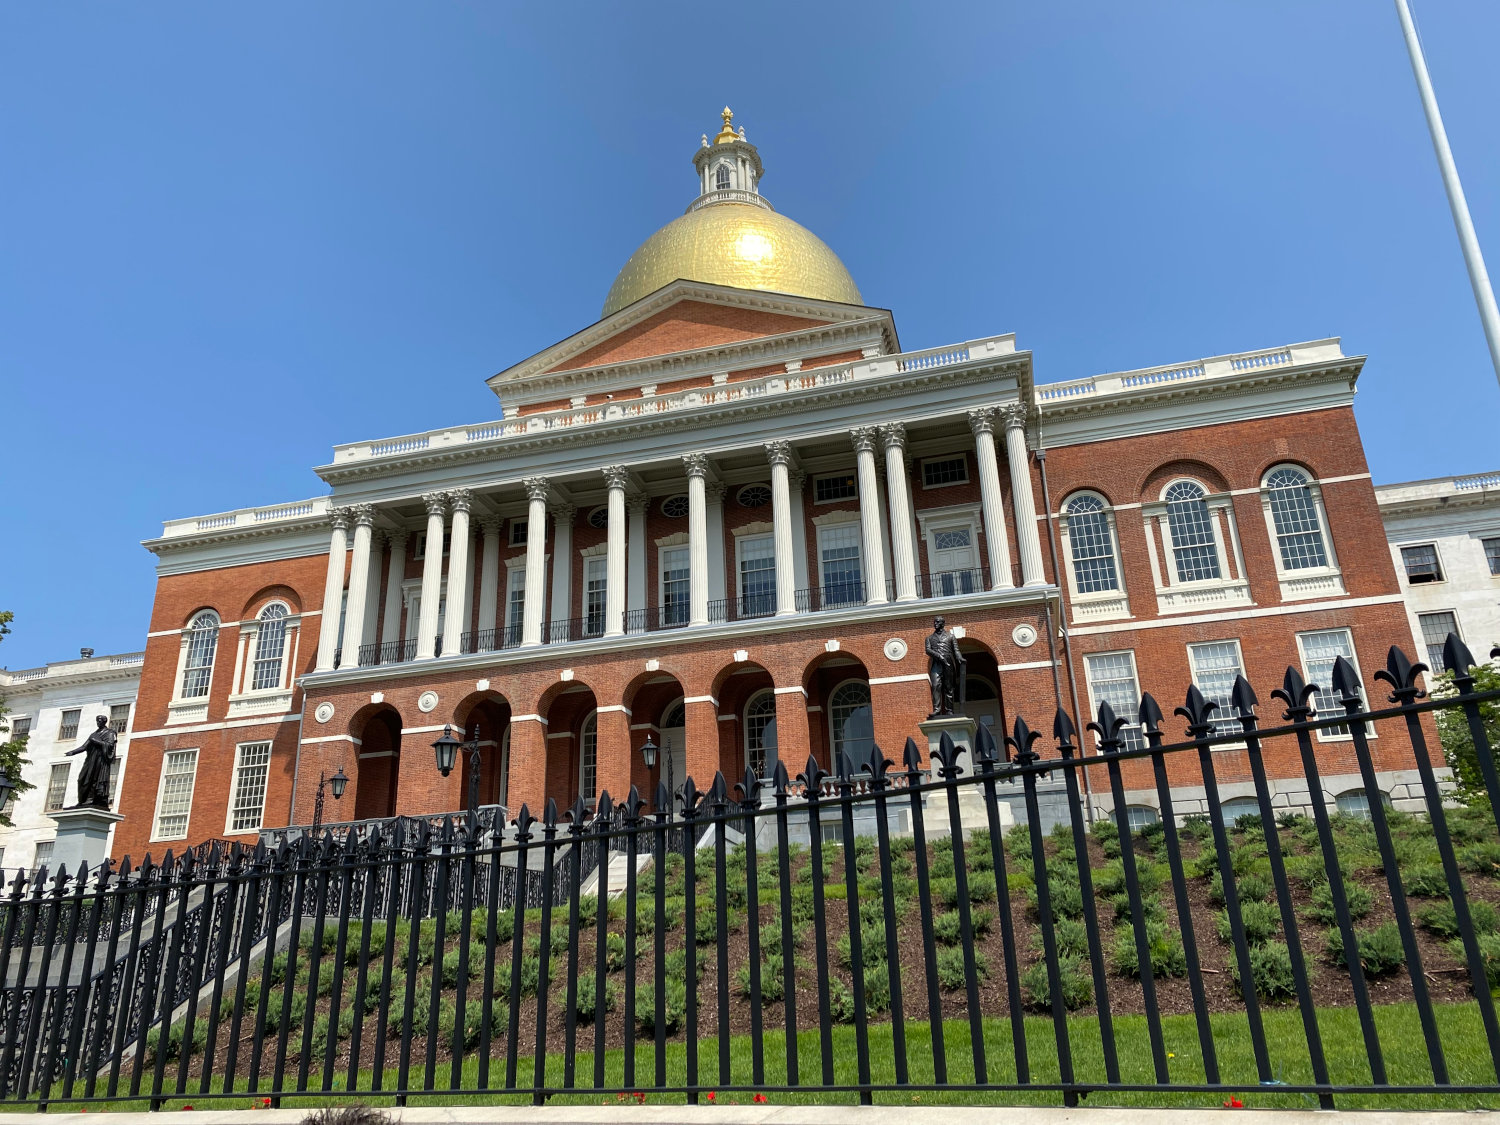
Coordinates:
1406	1062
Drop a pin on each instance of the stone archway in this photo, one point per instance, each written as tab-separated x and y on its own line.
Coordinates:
377	729
486	715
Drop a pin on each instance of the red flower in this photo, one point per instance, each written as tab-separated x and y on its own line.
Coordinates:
266	1102
761	1099
187	1107
710	1095
1234	1103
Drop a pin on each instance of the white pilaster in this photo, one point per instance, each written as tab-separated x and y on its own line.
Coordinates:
333	589
536	560
359	585
456	618
779	453
371	626
489	572
982	422
562	561
1027	538
616	478
898	489
697	473
873	547
390	627
717	572
796	487
635	560
432	576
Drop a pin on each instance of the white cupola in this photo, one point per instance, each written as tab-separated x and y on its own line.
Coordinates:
730	164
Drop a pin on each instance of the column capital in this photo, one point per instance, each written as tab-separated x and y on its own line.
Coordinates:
1014	414
893	435
563	513
537	488
696	464
339	518
397	539
363	515
490	525
982	420
637	502
779	452
462	499
436	502
716	490
864	439
616	476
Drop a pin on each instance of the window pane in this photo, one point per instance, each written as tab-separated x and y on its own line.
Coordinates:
853	723
57	786
842	580
203	642
1093	549
588	771
1111	679
515	604
1492	554
1191	526
67	728
825	489
270	645
179	770
675	585
760	731
20	728
43	854
1319	653
1421	563
1237	807
1435	630
252	763
1215	667
595	576
1298	533
757	576
950	470
119	717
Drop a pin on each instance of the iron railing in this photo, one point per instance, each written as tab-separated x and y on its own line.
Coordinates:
871	933
490	640
388	652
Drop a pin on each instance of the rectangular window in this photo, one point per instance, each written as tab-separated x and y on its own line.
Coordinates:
43	855
68	727
179	771
1435	630
757	576
518	533
675	585
1194	548
421	545
20	728
595	579
1216	664
1492	554
119	717
1111	679
57	786
844	486
515	604
1421	563
252	762
838	552
1320	651
114	780
945	470
955	562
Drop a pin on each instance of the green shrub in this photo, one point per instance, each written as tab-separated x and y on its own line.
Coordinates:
1252	887
982	887
474	1021
1204	864
1441	920
1356	895
531	972
1018	843
1109	880
588	996
174	1040
1480	859
1425	881
950	968
1260	919
941	865
1167	956
614	953
676	1005
871	946
1271	970
840	1001
1151	908
1380	950
944	893
1247	822
1195	827
1071	936
557	944
772	979
1489	954
877	988
1307	869
1077	985
1104	829
278	968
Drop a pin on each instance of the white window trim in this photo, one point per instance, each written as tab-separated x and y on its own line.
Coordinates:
959	456
1309	582
248	651
745	724
1479	536
1135	675
949	519
234	786
161	788
181	708
1100	605
591	717
1221	713
513	566
1428	611
47	787
663	546
419	544
833	746
823	529
739	557
511	527
1231	588
1328	734
830	476
1442	579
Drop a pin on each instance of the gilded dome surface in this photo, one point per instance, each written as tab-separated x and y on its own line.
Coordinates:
739	244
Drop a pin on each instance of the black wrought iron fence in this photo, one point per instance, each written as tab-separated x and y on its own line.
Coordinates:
867	934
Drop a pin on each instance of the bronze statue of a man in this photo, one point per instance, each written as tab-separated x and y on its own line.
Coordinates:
945	670
93	779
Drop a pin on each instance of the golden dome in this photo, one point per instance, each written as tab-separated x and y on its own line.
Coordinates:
739	244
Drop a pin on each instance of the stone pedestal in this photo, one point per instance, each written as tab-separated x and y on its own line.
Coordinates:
82	837
971	802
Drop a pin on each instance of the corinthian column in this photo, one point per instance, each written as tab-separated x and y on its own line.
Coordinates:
359	585
697	471
898	489
562	562
432	576
779	453
333	588
489	575
869	515
456	619
982	422
390	627
536	559
1028	540
616	477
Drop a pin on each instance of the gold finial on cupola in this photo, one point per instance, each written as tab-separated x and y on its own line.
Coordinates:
727	133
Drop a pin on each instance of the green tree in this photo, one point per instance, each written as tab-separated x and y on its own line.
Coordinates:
1453	729
12	750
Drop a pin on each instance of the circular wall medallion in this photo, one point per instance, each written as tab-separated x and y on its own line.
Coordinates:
895	649
324	712
427	701
1024	635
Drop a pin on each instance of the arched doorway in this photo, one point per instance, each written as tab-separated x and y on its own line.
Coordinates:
749	735
379	734
841	712
981	694
486	717
573	746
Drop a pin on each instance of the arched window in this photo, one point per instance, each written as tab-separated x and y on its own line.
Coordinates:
1294	515
1093	547
1138	816
1236	807
760	731
270	648
202	643
851	722
1356	803
588	758
1193	549
721	177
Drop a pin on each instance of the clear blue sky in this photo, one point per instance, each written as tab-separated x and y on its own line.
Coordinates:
237	234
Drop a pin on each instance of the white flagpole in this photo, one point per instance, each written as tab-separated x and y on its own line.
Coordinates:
1484	295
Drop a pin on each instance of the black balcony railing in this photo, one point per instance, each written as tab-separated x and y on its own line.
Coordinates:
746	607
490	640
838	595
953	583
388	652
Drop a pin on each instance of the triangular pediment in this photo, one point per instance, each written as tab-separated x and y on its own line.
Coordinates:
690	325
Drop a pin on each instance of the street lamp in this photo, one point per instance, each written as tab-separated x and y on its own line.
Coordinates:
649	755
337	783
447	747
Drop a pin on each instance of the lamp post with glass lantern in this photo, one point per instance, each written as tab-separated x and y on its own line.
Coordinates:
447	747
337	783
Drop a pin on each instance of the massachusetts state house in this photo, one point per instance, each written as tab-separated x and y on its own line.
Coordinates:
723	517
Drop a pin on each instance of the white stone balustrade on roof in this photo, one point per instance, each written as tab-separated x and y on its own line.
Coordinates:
1238	363
245	517
65	669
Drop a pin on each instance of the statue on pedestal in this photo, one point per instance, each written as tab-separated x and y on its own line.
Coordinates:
945	670
93	779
